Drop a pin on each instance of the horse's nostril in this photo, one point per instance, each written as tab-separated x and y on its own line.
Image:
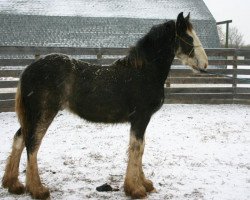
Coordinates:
205	66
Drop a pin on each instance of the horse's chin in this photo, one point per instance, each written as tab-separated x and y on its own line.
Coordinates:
197	69
196	65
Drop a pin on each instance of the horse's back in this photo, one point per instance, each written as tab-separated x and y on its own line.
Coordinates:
47	69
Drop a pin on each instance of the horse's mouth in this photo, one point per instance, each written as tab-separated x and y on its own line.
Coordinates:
197	69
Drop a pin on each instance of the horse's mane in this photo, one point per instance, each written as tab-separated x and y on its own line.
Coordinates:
189	25
154	43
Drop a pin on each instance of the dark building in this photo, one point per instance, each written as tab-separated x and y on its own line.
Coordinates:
95	23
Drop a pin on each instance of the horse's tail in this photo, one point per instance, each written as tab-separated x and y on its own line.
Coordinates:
20	109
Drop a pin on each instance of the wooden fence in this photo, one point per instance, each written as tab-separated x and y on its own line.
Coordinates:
182	85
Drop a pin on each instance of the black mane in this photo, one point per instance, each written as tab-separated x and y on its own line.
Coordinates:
154	51
156	45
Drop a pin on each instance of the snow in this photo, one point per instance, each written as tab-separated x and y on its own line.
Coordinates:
192	152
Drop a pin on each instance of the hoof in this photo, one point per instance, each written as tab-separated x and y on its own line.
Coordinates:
138	192
17	188
148	185
14	186
5	183
39	193
154	191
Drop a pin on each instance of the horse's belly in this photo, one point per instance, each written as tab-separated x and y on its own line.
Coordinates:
106	112
104	116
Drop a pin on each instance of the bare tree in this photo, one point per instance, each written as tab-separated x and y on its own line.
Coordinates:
235	38
221	36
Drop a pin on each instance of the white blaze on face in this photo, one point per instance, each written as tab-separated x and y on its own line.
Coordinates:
200	59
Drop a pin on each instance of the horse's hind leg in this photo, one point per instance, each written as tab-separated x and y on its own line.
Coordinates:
10	178
33	141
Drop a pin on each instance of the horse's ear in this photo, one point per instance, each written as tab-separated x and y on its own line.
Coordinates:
187	18
180	24
180	18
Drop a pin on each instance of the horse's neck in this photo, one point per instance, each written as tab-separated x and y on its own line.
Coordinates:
162	72
161	64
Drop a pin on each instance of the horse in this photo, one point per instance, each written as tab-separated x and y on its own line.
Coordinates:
129	90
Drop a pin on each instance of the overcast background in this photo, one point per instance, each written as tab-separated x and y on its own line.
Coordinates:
238	11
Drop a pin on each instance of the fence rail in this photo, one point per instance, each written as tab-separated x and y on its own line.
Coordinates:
230	82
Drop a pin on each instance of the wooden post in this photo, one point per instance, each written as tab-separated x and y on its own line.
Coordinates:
37	56
227	34
168	84
99	56
227	22
234	84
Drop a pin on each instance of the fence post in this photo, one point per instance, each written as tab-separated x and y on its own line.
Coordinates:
235	76
168	84
99	56
37	56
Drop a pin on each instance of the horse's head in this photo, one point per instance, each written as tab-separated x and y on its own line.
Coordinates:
188	46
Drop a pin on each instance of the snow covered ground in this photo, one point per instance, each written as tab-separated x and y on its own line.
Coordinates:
192	152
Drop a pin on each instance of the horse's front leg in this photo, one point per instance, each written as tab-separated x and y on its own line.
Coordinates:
136	185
